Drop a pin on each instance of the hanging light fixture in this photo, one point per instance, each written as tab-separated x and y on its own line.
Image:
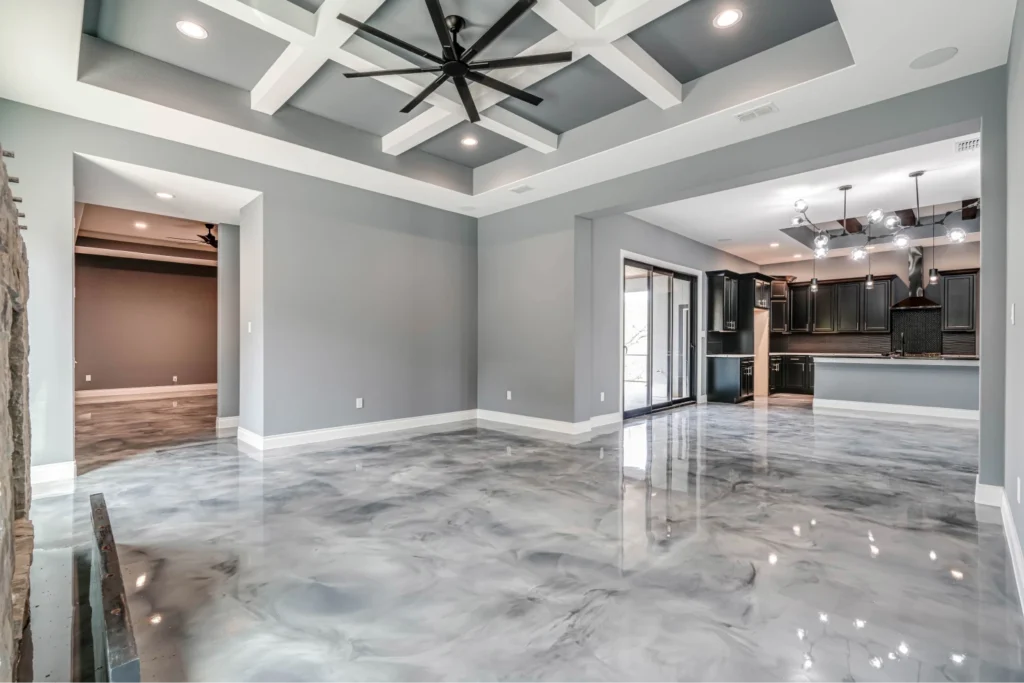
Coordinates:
821	239
820	252
956	235
859	254
901	240
875	216
892	222
800	205
933	272
869	282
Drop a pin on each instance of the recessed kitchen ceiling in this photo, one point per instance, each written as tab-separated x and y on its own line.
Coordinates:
754	216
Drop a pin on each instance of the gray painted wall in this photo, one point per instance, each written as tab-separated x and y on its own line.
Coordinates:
612	235
947	110
953	386
143	323
329	335
1015	255
251	345
228	317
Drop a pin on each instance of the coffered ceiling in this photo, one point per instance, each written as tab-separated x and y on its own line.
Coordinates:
651	81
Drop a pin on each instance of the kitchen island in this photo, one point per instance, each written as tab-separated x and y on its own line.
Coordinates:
940	386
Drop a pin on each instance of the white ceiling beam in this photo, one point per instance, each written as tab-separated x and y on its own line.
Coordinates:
618	18
280	18
418	130
298	63
518	129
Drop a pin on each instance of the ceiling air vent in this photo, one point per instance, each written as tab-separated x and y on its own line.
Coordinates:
757	112
969	145
521	189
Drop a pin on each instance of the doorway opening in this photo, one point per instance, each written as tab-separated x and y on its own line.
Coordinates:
659	338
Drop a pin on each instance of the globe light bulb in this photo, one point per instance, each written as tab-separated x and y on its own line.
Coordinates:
892	222
869	282
957	235
875	216
800	205
814	284
821	240
797	221
821	252
859	254
901	240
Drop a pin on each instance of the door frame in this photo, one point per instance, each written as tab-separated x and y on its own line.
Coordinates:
700	324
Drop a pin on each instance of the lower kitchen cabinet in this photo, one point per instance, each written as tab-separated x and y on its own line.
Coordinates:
730	379
791	374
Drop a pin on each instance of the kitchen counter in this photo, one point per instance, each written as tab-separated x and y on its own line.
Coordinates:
826	355
944	387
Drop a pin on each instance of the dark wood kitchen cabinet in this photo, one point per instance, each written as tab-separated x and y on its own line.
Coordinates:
958	300
780	289
877	303
779	315
848	300
723	294
824	308
797	374
775	380
800	308
730	379
762	293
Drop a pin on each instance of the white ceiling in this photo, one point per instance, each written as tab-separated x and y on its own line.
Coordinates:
745	221
109	223
131	187
46	35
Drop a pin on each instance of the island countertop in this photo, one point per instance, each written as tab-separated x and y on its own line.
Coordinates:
945	361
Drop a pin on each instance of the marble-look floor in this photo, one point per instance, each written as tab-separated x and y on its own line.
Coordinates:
713	542
109	432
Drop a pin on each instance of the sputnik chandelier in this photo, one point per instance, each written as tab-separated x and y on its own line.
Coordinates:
897	233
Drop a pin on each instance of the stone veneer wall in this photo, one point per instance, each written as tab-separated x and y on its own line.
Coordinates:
15	494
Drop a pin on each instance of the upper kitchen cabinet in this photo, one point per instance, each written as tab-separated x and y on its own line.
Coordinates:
958	300
762	293
848	301
824	308
723	301
799	308
780	289
877	302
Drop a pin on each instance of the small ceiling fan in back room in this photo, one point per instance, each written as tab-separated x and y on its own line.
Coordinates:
209	239
457	62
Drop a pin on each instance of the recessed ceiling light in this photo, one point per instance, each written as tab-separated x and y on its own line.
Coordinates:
774	245
165	195
140	225
469	141
934	58
191	29
727	18
796	255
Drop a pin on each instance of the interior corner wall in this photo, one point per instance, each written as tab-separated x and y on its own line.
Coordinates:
228	319
363	294
250	324
583	318
1014	433
612	236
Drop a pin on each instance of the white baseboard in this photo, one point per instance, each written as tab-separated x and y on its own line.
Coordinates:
365	429
541	423
987	494
143	393
1013	541
55	479
227	422
604	420
900	408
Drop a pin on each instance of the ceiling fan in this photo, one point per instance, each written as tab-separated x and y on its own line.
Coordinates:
209	239
457	62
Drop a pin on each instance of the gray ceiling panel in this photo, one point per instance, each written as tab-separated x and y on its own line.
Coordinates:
685	42
409	20
358	102
309	5
490	147
235	53
578	94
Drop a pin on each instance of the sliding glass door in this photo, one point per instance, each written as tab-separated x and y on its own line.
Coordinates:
658	338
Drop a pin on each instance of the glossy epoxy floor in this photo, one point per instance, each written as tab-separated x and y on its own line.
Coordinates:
713	542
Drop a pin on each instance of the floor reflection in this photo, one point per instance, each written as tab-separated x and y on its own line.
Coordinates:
711	542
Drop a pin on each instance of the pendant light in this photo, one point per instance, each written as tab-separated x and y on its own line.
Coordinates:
933	272
814	270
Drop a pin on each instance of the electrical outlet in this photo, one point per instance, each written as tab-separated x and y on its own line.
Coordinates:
508	450
1018	490
1012	310
508	395
250	327
174	378
174	404
602	397
359	403
88	378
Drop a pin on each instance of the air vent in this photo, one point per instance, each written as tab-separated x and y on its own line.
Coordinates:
969	145
757	112
522	189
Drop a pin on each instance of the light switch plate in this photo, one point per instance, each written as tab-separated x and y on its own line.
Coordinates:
250	327
174	378
1012	311
602	397
508	395
1018	490
359	403
88	378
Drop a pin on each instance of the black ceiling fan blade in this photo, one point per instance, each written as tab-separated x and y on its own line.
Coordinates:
509	90
414	102
366	28
519	9
467	98
437	17
393	72
527	60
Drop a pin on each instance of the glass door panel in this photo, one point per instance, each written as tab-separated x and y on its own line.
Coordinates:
682	337
635	338
660	337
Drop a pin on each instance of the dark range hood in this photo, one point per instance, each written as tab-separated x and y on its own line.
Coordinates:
916	299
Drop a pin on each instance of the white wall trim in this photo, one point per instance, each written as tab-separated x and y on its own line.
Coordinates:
364	429
1013	541
701	331
987	494
143	393
930	411
227	422
604	420
541	423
